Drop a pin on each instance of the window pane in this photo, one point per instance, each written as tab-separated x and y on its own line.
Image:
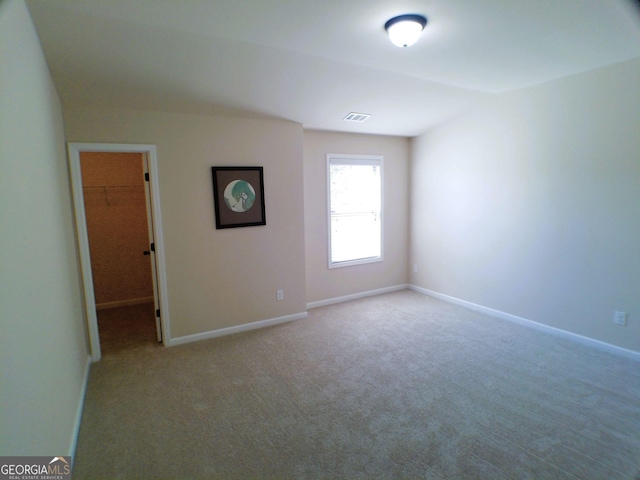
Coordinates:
355	189
355	237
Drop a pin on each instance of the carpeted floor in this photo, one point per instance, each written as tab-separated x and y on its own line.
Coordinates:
395	386
127	328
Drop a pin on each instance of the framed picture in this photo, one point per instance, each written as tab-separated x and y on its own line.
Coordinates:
238	196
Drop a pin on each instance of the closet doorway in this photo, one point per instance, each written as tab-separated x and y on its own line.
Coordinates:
117	214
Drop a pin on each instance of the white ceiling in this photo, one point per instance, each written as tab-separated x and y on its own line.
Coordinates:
314	61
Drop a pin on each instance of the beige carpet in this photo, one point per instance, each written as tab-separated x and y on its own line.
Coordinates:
126	328
394	386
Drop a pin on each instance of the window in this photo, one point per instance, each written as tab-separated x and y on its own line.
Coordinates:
355	209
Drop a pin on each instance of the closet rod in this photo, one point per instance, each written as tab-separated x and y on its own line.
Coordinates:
112	186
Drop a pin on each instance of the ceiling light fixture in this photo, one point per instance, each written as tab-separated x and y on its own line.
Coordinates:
405	30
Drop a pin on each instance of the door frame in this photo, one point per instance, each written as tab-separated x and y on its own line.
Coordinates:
91	316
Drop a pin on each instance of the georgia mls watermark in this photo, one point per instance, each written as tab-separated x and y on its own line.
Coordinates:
35	468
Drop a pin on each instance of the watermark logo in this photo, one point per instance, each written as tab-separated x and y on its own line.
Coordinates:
35	468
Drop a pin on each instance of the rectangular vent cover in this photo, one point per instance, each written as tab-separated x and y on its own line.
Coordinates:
356	117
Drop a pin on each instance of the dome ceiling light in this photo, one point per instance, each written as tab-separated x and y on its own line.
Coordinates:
405	30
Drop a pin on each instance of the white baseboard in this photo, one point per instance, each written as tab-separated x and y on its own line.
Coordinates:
236	329
632	354
76	427
123	303
355	296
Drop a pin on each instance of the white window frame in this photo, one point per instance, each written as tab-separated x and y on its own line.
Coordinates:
345	159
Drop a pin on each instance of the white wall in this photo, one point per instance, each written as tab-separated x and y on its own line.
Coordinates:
530	204
43	350
217	278
324	283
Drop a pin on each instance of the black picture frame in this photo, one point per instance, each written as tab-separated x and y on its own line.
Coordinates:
238	196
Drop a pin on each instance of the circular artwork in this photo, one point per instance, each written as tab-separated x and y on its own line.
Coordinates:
239	195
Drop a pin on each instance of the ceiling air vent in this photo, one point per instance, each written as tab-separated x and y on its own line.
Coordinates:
356	117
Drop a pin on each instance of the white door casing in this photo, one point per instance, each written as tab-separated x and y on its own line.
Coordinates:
155	234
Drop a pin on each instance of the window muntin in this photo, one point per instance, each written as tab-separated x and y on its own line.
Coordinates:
355	209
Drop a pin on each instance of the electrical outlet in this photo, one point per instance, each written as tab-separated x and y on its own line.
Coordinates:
279	294
415	268
620	318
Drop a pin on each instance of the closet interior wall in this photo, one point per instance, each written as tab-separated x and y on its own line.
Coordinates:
115	208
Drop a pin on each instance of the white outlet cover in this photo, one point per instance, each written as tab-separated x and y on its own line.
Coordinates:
620	318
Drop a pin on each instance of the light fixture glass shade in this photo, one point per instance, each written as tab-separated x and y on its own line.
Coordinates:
405	30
